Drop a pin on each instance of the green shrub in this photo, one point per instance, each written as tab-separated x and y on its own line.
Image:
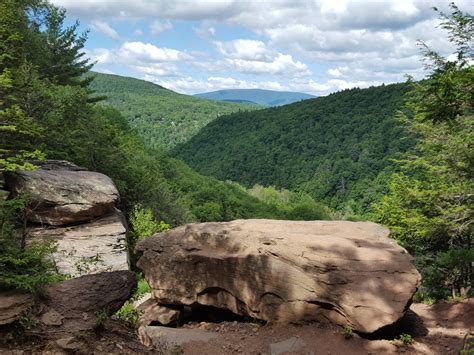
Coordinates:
405	338
144	224
128	315
23	267
348	332
142	287
102	316
28	320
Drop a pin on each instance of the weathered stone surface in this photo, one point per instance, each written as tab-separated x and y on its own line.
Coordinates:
63	196
154	312
78	301
51	317
170	337
347	272
69	343
13	304
88	248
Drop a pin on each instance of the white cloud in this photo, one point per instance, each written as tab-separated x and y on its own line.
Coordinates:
100	55
104	28
357	42
149	53
282	64
176	9
158	27
157	69
253	57
144	58
205	32
335	72
138	32
245	49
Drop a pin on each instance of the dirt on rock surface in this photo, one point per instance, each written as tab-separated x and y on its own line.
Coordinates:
443	328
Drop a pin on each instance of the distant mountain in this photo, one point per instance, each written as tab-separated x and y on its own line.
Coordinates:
163	117
260	97
338	148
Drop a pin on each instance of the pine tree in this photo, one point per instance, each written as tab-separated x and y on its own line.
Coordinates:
430	204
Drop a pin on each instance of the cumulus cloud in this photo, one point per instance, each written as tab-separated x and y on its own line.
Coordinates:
245	49
158	27
157	69
176	9
253	57
100	55
355	42
205	32
104	28
282	64
131	52
145	58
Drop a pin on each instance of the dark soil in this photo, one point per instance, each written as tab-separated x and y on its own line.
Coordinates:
442	328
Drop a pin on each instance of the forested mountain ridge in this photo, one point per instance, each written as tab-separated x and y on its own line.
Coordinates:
336	148
49	111
163	117
258	96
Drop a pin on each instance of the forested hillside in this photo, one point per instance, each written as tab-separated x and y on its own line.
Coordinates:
48	112
336	148
258	96
163	117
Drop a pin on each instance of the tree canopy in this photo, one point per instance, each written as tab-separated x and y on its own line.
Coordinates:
430	204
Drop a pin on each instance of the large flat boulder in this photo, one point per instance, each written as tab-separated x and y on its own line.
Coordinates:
62	194
88	248
348	272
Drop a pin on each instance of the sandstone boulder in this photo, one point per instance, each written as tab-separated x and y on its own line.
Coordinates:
88	248
74	305
154	312
62	194
348	272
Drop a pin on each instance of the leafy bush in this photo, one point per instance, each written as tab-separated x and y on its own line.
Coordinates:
128	315
144	224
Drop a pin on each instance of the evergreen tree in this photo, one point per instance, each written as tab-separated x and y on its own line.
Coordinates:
17	128
430	204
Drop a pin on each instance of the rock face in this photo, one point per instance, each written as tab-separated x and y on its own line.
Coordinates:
347	272
13	304
62	194
89	248
91	293
74	305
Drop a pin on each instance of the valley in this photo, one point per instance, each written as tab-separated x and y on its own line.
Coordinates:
317	196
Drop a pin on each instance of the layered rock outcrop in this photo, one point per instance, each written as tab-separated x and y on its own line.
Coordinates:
13	304
62	193
348	272
75	208
73	305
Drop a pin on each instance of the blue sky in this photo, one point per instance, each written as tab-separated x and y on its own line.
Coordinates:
318	47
